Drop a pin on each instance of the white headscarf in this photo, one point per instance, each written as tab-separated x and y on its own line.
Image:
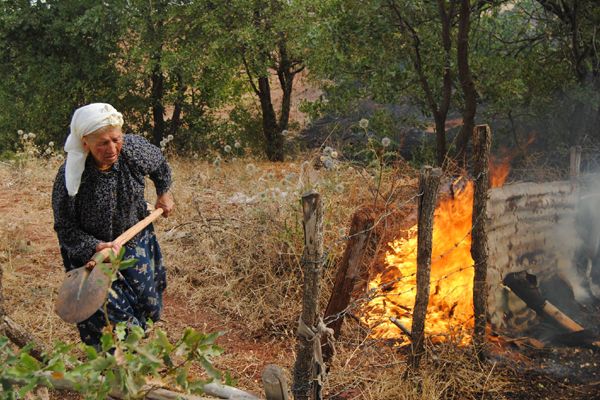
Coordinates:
86	119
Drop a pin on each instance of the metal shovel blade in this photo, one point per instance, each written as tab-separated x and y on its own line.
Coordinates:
82	293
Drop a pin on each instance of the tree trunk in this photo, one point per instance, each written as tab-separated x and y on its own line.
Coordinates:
482	139
466	82
272	132
440	139
429	182
286	101
176	118
158	109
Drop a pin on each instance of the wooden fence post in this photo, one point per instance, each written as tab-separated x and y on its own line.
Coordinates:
482	139
575	162
308	368
429	181
275	383
350	271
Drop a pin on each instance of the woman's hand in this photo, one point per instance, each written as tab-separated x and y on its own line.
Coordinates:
165	201
116	247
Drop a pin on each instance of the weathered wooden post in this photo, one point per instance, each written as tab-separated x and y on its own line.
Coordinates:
575	162
429	181
308	368
275	383
349	273
482	139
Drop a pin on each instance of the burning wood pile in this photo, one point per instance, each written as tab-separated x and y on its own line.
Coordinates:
542	229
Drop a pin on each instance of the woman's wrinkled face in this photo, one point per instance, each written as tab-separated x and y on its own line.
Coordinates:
104	145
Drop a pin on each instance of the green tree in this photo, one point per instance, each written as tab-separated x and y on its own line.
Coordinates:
54	56
262	36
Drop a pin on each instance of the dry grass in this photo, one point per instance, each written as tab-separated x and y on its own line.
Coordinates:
233	251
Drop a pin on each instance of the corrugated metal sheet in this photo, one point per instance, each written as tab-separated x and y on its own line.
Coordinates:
530	226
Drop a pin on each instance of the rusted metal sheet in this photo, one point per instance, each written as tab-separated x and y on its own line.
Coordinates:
530	226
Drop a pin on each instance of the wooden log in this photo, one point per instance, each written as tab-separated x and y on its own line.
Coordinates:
401	326
306	369
351	270
575	162
275	383
482	139
429	182
221	391
19	336
212	389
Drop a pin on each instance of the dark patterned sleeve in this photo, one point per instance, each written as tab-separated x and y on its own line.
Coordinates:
76	245
149	160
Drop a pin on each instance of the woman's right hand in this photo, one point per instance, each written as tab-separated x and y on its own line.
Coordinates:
104	245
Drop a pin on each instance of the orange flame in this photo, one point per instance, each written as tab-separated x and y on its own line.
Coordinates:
450	310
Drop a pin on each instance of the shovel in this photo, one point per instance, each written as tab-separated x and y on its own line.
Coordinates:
85	289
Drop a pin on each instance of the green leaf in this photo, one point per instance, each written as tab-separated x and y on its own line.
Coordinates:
91	352
28	363
107	341
181	378
208	367
121	330
191	337
210	338
27	388
102	363
163	341
130	262
136	333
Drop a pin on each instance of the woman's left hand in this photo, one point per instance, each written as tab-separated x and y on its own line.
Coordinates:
165	201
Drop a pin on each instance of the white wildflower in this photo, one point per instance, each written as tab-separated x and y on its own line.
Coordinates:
227	148
334	154
20	132
237	144
32	135
60	157
385	142
250	168
284	132
51	144
25	136
170	137
48	151
327	150
363	123
322	158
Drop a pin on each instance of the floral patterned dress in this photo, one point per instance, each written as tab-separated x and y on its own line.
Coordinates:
107	204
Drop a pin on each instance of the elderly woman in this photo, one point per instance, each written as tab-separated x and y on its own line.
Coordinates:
99	193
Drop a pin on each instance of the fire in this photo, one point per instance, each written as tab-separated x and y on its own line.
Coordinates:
450	310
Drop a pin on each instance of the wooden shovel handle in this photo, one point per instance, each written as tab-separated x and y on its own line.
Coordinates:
129	233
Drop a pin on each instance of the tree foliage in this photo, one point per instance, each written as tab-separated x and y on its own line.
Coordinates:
209	72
